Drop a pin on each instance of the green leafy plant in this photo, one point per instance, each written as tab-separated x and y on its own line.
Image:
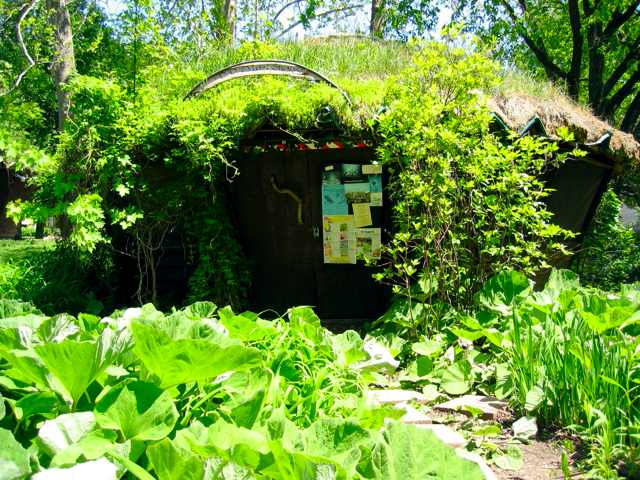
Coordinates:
567	355
61	278
199	393
609	255
466	203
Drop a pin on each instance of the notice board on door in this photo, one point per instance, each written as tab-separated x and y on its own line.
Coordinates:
351	212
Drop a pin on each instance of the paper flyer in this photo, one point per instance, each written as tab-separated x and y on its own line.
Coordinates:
375	199
339	239
375	183
352	173
334	200
361	214
357	192
331	176
368	241
372	169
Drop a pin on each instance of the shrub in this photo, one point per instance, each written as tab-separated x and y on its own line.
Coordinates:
61	279
466	204
610	253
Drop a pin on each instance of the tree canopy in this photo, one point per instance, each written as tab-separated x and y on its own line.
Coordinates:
590	46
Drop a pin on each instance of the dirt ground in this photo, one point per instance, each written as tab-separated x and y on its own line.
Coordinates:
541	462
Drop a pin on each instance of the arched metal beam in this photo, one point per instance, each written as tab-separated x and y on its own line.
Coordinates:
262	67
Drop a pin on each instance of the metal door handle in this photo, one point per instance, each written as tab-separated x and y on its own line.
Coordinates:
286	191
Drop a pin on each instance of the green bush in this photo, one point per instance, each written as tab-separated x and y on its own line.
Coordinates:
610	253
61	279
466	203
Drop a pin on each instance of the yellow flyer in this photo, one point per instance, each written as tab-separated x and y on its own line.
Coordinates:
339	240
372	169
361	214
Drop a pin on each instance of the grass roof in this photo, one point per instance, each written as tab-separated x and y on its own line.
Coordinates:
361	67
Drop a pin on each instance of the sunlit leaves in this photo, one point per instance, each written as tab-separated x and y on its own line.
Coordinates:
185	360
141	411
14	459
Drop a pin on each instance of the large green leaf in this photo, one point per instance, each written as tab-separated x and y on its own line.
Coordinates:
411	453
342	441
306	324
63	359
91	446
140	410
30	320
188	360
561	280
41	403
457	378
27	367
348	347
246	326
247	391
174	463
58	434
14	459
56	329
16	338
500	291
16	308
200	310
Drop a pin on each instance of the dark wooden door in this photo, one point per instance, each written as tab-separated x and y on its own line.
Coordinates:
285	251
278	243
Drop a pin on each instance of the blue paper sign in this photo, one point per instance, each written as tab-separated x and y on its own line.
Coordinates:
375	183
334	200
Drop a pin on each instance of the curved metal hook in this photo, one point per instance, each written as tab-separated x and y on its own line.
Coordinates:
262	67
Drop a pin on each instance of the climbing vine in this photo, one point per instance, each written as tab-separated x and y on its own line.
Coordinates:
466	202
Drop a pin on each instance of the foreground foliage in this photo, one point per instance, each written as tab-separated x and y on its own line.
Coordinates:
567	355
199	393
466	203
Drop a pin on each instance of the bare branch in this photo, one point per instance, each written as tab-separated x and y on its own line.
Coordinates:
622	68
620	18
284	7
553	71
623	92
24	11
632	116
319	15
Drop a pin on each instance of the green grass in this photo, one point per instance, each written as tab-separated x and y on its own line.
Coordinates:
14	250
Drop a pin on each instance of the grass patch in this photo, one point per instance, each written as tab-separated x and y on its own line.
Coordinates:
17	250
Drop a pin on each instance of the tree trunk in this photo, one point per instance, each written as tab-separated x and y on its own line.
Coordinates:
596	67
573	76
64	61
631	118
230	17
376	25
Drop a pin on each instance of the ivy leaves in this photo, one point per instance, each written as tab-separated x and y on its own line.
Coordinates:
466	204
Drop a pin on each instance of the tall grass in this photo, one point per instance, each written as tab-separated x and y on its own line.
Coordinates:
574	356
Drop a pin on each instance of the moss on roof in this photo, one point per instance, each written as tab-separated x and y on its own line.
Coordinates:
362	68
